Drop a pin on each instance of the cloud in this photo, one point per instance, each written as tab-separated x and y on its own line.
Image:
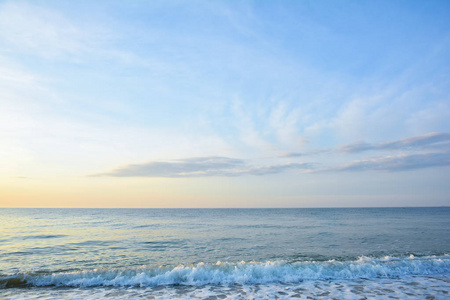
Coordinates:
432	140
356	147
429	139
33	29
230	167
293	154
423	151
272	169
418	141
200	167
307	153
48	33
244	123
284	121
397	163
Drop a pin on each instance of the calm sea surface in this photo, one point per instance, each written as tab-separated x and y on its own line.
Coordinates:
224	253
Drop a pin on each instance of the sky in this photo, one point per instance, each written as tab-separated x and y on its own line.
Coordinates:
224	103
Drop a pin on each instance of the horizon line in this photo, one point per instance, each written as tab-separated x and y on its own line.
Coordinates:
309	207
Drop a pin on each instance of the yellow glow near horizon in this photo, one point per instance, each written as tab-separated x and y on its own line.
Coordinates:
179	193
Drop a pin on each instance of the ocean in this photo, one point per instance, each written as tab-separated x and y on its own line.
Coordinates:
317	253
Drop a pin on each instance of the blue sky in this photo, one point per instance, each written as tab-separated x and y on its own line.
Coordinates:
224	103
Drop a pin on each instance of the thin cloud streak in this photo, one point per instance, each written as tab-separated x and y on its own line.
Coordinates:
429	139
201	167
307	153
232	167
397	163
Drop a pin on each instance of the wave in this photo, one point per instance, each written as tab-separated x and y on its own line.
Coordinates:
224	273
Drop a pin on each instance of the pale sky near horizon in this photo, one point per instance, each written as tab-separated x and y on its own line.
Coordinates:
224	103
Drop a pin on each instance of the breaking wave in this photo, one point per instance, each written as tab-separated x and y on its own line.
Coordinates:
224	273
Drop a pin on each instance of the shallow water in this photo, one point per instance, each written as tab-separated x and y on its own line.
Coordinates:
217	253
419	287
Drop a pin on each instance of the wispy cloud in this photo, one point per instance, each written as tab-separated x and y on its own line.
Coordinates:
273	169
283	121
418	152
429	139
200	167
307	153
29	28
398	163
244	123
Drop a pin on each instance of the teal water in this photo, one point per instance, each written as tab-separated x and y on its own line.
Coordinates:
136	248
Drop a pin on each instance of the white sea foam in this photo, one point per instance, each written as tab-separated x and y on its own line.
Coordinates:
225	273
409	287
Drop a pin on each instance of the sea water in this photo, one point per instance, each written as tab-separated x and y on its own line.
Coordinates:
341	253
